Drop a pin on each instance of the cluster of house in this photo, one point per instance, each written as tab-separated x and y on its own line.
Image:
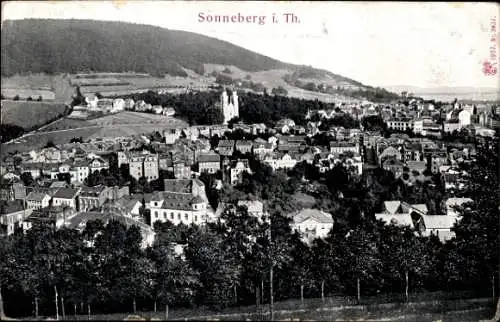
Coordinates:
187	153
101	106
401	154
421	118
418	217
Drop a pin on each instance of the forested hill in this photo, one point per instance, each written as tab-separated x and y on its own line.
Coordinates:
46	45
71	46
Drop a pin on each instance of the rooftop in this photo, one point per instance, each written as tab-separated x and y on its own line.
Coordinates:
312	214
66	193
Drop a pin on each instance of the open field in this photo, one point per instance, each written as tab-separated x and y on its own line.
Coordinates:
50	87
29	114
25	93
121	124
119	119
109	84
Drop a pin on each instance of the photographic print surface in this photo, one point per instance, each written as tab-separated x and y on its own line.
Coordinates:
244	160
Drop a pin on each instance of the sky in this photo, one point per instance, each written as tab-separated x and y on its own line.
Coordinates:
380	44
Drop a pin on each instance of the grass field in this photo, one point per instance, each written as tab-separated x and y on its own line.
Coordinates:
121	124
50	87
331	310
25	93
29	114
109	84
123	118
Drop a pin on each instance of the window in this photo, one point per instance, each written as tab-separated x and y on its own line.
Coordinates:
186	216
179	216
172	216
156	214
195	218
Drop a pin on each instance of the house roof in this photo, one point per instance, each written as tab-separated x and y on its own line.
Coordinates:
65	193
392	206
252	205
178	185
92	191
397	219
209	157
438	221
226	144
399	207
58	184
244	143
36	196
312	214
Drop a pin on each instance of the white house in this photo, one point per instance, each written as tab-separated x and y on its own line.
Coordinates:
237	168
177	208
312	223
254	207
400	213
118	105
168	111
37	200
280	161
65	197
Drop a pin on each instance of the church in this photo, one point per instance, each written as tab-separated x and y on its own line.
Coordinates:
229	105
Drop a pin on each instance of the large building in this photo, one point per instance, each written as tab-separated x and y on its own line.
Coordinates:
141	164
183	201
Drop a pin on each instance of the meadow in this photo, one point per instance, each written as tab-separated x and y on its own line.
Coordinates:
115	125
50	87
30	115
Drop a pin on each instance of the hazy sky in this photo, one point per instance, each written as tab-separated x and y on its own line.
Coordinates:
379	44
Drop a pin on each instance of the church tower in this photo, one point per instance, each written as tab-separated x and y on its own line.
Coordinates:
229	105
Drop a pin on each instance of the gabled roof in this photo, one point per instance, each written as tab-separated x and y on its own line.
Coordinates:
244	143
178	185
397	219
209	157
36	196
226	144
312	214
438	221
65	193
58	184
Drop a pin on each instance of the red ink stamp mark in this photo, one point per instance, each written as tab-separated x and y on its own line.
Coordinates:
490	65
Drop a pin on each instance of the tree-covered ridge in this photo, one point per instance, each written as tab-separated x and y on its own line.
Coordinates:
45	45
